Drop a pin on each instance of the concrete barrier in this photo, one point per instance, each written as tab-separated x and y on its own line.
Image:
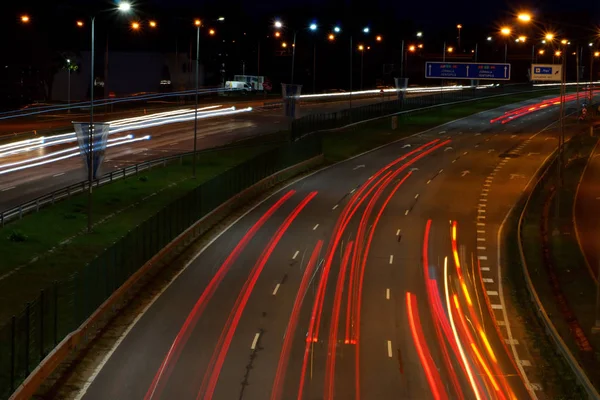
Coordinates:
77	341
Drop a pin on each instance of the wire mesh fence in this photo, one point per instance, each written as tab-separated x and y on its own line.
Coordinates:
58	310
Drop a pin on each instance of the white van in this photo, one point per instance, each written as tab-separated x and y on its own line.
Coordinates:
238	85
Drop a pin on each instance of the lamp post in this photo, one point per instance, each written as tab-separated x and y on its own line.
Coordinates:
313	28
197	24
361	48
459	27
68	85
506	32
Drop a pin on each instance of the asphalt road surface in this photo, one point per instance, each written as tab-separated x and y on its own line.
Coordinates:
587	217
376	278
27	184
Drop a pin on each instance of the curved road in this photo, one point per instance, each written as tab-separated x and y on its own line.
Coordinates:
375	278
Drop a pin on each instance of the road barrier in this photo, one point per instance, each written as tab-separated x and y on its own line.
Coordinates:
560	346
66	316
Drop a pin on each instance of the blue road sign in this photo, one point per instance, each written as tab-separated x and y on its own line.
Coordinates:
458	70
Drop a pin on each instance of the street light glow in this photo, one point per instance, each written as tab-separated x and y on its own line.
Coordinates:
597	54
361	47
25	18
590	44
420	46
197	22
557	53
378	38
124	6
211	32
411	48
505	31
221	18
337	29
549	36
278	24
135	26
419	34
152	24
331	37
525	17
366	29
79	23
313	27
277	34
459	26
522	39
284	45
564	41
541	52
489	38
450	49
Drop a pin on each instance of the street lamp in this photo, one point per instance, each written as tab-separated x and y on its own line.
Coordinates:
337	29
506	31
361	48
278	24
412	48
211	32
123	7
313	27
459	27
198	25
378	38
152	24
419	34
25	18
135	25
79	24
366	29
331	37
524	17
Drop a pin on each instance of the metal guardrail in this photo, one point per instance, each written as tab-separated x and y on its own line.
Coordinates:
553	335
330	123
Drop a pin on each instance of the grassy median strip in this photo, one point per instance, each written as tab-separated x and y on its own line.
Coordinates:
51	244
568	265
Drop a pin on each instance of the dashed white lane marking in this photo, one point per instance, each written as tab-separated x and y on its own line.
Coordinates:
496	306
481	224
398	232
492	293
480	247
481	205
513	341
488	280
465	153
57	175
334	207
429	181
7	189
486	185
483	200
485	190
417	196
481	217
442	132
535	386
276	289
501	323
296	254
480	231
391	259
406	212
481	210
485	268
387	294
353	190
389	348
316	226
255	341
480	239
441	170
525	363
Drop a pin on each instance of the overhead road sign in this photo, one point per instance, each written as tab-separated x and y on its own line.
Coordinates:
546	72
459	70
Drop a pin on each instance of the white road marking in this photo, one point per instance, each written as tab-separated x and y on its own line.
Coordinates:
441	170
485	190
481	217
398	232
481	211
481	224
353	190
316	226
482	258
453	161
276	289
480	247
481	239
535	386
255	341
492	293
501	323
417	196
483	200
334	207
296	254
429	181
387	294
465	153
7	189
511	341
480	231
485	268
57	175
389	348
497	307
525	363
488	280
486	185
391	259
406	213
482	205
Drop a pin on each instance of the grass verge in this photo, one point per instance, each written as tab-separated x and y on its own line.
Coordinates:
568	262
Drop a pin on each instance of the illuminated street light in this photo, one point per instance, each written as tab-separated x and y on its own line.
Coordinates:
135	26
544	41
277	34
378	38
221	18
25	18
450	49
419	34
564	41
124	6
420	46
489	38
522	39
284	45
366	29
549	36
337	29
313	27
590	44
597	54
412	48
541	52
524	17
79	24
361	47
557	53
505	31
211	32
197	23
278	24
459	26
152	24
331	37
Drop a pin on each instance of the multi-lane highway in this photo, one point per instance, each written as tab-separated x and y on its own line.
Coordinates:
379	277
37	167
